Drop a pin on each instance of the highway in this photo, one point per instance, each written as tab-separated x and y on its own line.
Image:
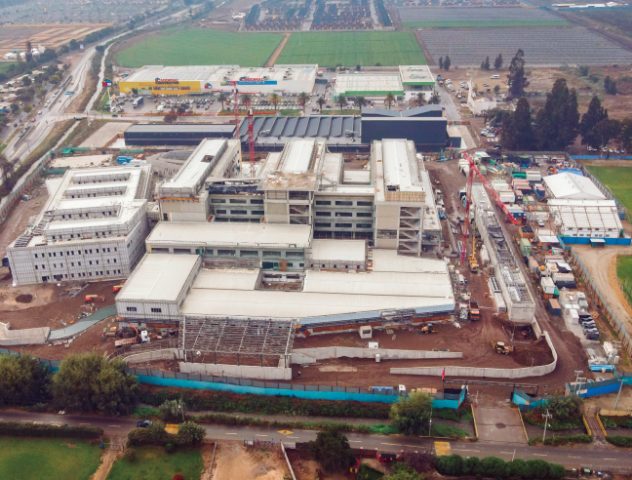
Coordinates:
599	457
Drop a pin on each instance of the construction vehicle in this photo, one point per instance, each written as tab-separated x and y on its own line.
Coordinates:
427	329
93	298
473	259
123	342
117	288
474	311
502	348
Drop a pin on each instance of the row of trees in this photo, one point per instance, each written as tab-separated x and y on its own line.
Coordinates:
83	383
557	124
445	63
498	63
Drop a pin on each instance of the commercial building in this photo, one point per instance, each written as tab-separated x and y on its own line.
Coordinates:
188	80
93	227
417	78
177	134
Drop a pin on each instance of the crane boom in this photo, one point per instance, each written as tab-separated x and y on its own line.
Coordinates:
475	172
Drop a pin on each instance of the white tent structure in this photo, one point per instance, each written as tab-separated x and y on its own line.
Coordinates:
572	187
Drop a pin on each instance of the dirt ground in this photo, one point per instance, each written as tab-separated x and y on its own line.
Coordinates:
22	213
233	460
104	135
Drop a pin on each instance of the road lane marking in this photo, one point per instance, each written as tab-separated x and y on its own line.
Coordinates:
355	441
114	426
261	435
574	456
468	450
610	458
540	455
506	453
231	433
392	444
294	437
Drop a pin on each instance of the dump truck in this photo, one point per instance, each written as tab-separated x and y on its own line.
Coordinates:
93	298
474	311
502	348
427	329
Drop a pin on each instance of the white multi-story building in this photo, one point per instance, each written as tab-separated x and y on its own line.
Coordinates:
92	227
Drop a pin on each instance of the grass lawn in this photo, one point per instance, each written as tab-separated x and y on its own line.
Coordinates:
43	459
200	46
485	23
152	463
618	180
353	48
624	272
4	66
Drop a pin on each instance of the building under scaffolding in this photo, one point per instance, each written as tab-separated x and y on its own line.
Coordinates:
262	342
518	300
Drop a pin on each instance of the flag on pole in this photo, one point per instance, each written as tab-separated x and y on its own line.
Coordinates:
106	83
443	375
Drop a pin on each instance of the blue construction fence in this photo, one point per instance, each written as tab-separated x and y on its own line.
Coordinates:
601	157
566	240
603	387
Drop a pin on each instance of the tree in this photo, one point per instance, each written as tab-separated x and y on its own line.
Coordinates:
190	434
401	471
440	63
498	62
517	131
246	101
557	123
625	134
331	449
389	100
446	63
517	79
90	383
221	98
420	99
595	114
565	408
171	117
359	102
303	98
435	99
24	380
485	65
583	71
275	99
411	414
341	100
26	81
172	410
321	101
610	86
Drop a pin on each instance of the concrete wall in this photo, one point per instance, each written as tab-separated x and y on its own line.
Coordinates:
237	371
153	355
303	356
505	373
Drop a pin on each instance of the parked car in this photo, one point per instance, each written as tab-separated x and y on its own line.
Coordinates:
143	423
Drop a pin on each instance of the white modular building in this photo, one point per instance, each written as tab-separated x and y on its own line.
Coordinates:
571	186
92	227
586	218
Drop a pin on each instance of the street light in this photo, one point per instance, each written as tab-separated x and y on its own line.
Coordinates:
430	422
546	416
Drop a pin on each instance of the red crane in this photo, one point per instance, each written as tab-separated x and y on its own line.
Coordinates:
251	141
474	171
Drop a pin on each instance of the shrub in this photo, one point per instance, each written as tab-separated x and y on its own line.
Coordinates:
497	468
190	434
131	455
450	465
16	429
566	439
620	440
491	467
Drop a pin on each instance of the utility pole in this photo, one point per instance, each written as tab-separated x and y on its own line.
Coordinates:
430	422
546	416
616	402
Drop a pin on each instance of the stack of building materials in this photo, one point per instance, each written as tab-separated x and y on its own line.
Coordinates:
505	192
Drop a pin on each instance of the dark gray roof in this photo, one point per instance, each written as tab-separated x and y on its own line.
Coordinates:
182	128
425	111
334	127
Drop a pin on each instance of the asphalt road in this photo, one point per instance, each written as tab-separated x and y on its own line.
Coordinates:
594	456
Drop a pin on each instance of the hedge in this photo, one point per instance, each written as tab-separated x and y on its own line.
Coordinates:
620	440
264	404
497	468
190	434
17	429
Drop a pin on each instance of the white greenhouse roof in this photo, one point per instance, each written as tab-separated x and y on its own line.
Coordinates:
572	186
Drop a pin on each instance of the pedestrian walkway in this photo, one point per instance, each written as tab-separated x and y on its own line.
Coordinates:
594	428
499	422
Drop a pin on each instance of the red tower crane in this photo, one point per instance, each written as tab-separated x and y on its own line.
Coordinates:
251	141
474	171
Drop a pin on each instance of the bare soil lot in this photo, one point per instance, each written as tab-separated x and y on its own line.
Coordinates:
234	460
15	36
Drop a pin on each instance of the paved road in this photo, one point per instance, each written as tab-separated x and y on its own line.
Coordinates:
593	456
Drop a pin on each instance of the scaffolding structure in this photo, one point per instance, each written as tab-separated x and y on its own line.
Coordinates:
240	341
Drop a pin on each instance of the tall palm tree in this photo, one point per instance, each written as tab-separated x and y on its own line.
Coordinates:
275	99
389	100
321	101
222	97
341	100
246	101
421	99
303	98
360	102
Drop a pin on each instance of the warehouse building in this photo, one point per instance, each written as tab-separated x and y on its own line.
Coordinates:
368	84
93	227
191	80
175	135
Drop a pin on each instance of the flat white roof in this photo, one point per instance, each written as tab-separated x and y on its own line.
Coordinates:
150	73
338	250
390	261
227	279
297	156
158	277
416	74
399	163
368	83
586	214
196	168
230	234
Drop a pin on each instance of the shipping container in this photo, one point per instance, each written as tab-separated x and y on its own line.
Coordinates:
553	306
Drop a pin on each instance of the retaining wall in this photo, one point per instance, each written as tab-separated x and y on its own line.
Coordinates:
303	356
506	373
153	355
238	371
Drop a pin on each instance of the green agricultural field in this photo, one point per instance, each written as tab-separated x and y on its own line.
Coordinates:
353	48
152	463
47	459
485	23
618	180
198	46
624	272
